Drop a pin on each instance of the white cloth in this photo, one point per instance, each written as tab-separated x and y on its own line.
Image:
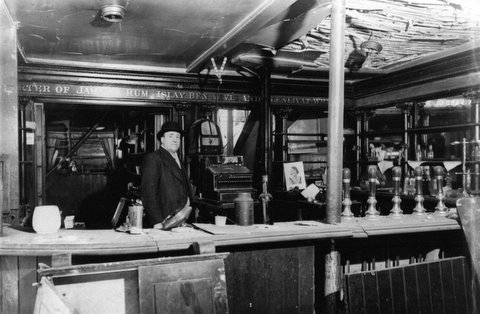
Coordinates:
449	165
384	165
414	164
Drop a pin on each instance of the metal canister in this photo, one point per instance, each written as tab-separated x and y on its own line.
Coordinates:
135	216
244	209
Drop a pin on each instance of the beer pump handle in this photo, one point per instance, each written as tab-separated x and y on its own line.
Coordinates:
346	182
372	180
265	197
438	173
440	209
396	211
418	180
475	190
397	176
372	212
347	202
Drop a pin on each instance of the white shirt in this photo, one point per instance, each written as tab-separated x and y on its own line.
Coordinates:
175	156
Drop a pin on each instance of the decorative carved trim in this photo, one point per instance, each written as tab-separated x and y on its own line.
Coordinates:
182	108
473	96
282	112
405	107
24	101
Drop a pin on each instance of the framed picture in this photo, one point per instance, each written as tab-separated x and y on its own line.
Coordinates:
120	214
294	175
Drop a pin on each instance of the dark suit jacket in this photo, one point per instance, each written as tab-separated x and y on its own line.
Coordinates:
164	187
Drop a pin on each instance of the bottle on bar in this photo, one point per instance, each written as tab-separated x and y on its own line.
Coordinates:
426	180
412	184
418	153
430	152
406	183
433	188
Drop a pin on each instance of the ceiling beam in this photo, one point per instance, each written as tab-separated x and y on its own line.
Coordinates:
431	90
444	54
266	11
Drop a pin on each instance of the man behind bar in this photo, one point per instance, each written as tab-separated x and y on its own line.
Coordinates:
165	187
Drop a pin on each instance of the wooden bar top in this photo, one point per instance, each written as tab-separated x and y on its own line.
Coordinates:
108	242
412	223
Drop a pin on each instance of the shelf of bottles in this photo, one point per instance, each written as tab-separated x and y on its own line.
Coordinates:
424	136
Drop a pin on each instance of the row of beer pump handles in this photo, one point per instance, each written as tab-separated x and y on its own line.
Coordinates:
396	211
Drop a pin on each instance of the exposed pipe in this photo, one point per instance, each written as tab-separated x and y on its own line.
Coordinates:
335	149
335	113
266	123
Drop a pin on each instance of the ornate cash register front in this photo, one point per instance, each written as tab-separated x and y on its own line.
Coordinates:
225	177
217	178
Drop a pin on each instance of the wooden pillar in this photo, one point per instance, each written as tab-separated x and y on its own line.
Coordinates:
280	149
8	112
358	143
230	134
417	106
335	112
335	148
265	129
182	111
474	97
406	111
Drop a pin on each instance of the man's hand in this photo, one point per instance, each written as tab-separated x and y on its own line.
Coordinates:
158	226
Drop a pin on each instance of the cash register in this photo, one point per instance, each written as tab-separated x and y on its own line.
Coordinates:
217	178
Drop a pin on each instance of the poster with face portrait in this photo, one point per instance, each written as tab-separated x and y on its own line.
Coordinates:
294	175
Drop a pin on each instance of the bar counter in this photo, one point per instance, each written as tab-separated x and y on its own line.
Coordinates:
106	242
16	241
270	268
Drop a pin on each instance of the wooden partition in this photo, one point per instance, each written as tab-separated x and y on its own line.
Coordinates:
17	274
271	280
187	284
441	286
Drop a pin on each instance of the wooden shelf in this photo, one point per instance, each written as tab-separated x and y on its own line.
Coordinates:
442	128
323	142
300	134
435	160
381	133
376	161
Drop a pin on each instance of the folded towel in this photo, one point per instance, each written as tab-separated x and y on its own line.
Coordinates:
385	165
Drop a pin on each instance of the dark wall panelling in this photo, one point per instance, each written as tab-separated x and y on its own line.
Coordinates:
278	280
370	296
408	285
27	275
10	286
411	290
424	295
385	292
397	250
94	199
17	274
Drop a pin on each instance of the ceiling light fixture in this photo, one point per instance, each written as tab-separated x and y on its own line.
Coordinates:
371	46
113	11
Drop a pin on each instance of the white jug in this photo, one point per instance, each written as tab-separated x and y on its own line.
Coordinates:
46	219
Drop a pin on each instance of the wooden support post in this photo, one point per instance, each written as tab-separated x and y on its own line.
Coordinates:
335	113
265	123
335	148
332	279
